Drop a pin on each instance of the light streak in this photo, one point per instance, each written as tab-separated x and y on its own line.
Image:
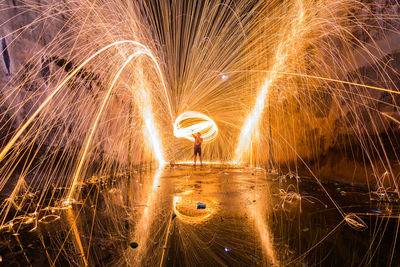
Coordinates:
281	57
265	235
142	230
251	122
94	127
58	88
287	49
77	238
209	162
191	122
152	134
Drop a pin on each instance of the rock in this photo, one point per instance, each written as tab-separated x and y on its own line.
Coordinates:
133	245
201	206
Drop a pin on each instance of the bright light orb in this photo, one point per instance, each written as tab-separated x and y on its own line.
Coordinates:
191	122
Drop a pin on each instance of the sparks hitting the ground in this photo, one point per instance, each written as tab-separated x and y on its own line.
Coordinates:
98	102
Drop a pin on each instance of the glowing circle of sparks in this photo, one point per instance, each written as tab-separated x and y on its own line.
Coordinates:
191	122
184	209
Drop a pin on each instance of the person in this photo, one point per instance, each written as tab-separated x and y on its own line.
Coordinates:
197	147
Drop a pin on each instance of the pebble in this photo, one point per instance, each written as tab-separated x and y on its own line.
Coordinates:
134	245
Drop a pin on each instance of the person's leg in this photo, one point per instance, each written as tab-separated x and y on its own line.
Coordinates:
201	161
195	156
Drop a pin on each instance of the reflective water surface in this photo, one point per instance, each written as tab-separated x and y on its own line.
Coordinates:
250	218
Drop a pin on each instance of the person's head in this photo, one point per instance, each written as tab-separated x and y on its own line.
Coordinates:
198	134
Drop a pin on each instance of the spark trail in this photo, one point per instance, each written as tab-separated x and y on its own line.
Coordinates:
285	50
113	88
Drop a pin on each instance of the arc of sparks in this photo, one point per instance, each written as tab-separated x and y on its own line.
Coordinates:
191	122
149	125
58	88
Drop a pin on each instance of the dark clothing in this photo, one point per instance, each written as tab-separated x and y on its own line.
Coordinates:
197	141
197	145
197	150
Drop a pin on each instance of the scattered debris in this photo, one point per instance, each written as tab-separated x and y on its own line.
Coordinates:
355	222
201	206
49	218
376	211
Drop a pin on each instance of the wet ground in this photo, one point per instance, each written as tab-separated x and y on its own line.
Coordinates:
207	216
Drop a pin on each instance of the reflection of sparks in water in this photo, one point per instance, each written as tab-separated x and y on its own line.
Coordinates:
142	230
49	219
72	218
258	212
208	162
265	234
185	209
191	122
355	222
41	119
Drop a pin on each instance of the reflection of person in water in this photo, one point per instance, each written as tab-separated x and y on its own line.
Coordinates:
197	147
